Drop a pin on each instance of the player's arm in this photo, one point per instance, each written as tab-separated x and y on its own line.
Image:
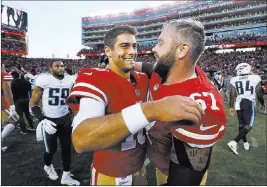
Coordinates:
99	132
232	98
232	94
35	99
259	94
7	92
146	68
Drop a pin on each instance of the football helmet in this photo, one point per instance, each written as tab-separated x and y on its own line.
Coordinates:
242	69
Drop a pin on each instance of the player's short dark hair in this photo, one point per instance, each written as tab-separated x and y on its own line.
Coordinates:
52	62
15	74
111	36
192	31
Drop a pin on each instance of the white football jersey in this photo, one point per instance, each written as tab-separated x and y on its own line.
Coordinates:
245	87
31	78
219	78
55	93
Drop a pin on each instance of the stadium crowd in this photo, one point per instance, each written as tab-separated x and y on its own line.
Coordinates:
216	40
13	45
225	62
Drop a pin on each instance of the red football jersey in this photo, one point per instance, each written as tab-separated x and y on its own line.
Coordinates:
4	77
117	93
208	131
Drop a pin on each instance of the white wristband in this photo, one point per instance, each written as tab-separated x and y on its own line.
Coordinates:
134	118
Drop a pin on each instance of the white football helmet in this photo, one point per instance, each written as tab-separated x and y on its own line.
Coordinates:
243	68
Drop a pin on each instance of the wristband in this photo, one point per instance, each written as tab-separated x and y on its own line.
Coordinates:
134	118
38	113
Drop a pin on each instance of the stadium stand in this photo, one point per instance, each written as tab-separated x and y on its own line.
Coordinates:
229	25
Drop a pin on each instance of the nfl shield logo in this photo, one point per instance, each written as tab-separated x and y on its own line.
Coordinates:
137	92
156	87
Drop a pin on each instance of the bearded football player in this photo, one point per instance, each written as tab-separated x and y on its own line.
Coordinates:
181	151
55	121
111	115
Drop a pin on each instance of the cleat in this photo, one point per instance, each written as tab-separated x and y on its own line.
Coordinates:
67	180
50	171
4	148
246	146
23	132
233	146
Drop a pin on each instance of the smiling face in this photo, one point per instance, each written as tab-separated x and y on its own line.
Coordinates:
124	52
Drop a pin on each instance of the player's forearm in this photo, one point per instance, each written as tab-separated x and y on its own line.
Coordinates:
99	133
232	102
261	100
102	132
232	97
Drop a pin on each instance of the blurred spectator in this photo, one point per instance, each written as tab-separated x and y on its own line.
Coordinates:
13	45
224	62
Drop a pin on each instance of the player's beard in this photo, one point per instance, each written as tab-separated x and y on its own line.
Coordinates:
58	75
164	64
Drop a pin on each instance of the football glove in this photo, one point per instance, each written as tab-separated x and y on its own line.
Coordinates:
48	126
12	110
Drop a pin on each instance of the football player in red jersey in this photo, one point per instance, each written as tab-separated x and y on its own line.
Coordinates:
8	111
111	115
181	152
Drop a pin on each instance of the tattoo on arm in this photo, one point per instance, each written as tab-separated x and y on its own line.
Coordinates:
232	96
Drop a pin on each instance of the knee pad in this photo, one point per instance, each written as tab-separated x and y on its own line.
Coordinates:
183	176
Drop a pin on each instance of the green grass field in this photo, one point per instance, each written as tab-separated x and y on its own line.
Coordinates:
22	163
226	168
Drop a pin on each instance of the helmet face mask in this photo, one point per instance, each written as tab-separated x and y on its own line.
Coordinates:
242	69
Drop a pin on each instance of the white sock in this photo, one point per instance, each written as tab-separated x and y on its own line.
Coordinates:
65	174
7	130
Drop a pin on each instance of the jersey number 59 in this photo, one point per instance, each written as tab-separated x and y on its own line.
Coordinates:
58	96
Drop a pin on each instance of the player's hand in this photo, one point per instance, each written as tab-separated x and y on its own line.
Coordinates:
176	108
232	111
49	126
12	111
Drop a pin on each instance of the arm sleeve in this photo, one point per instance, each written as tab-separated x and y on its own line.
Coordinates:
147	69
88	108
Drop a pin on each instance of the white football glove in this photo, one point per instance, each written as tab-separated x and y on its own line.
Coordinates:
12	111
48	126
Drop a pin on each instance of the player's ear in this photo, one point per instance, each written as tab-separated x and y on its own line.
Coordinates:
182	50
108	51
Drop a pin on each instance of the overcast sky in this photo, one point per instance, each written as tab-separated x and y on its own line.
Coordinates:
54	27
